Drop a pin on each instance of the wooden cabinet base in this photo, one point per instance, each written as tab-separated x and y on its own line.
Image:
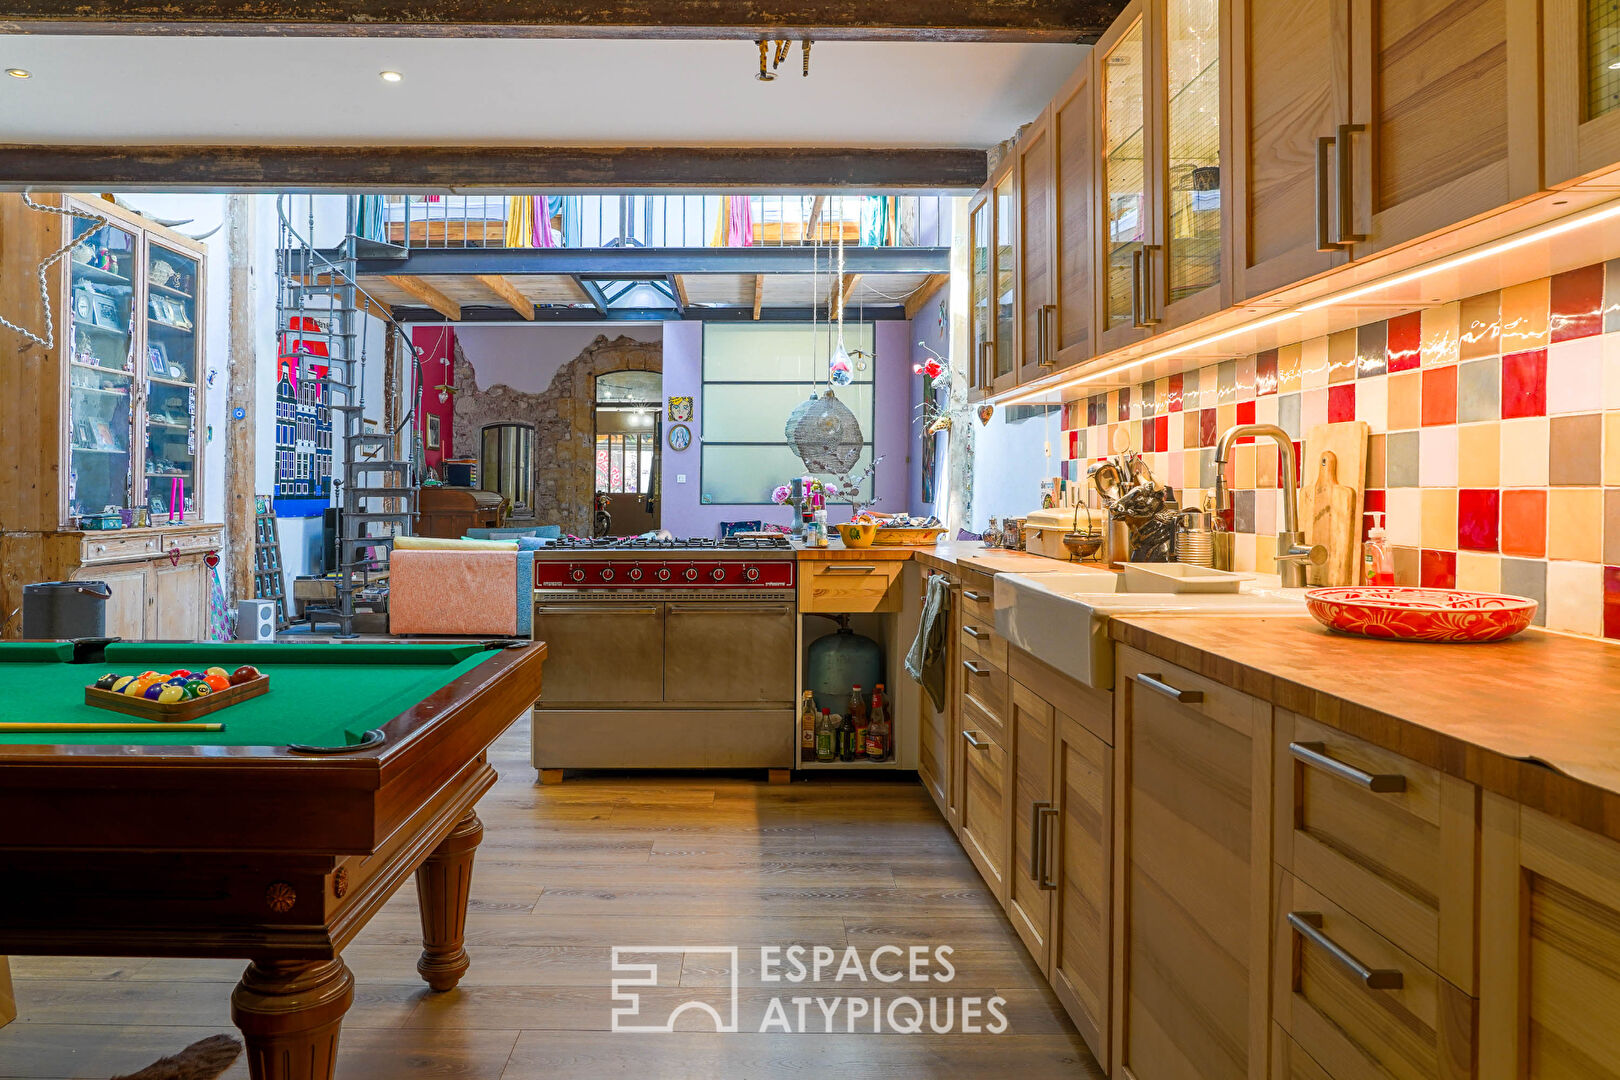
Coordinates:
289	1013
442	883
8	997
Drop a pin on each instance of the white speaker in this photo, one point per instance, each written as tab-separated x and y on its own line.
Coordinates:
256	620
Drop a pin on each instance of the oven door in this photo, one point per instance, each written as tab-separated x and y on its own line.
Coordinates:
601	653
736	653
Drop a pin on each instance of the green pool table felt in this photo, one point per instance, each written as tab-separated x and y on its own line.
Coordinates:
320	695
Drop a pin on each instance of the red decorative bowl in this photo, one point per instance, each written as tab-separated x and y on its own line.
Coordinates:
1402	613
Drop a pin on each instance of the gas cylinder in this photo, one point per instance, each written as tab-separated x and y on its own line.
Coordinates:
839	661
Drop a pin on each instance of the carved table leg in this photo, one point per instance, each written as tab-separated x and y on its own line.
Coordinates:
289	1013
442	883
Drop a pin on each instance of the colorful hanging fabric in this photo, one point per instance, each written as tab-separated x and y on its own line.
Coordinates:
370	221
219	610
734	225
722	222
543	236
878	221
519	221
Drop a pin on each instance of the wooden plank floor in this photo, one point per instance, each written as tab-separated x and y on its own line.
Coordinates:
567	872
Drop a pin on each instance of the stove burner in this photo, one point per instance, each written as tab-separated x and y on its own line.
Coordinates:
773	542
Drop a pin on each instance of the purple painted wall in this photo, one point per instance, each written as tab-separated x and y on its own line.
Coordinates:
684	513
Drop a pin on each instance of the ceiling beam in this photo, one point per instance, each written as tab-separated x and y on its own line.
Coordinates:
915	302
593	292
628	262
549	313
508	170
426	293
1075	21
507	291
679	282
759	294
841	300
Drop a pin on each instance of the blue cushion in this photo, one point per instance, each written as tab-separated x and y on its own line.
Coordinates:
732	528
534	543
549	532
525	590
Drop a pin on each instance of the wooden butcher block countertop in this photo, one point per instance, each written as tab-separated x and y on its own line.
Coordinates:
1535	718
947	555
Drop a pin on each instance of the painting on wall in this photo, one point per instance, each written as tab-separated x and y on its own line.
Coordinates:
432	442
680	409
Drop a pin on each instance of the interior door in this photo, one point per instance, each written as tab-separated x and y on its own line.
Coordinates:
1036	349
730	652
1291	92
602	654
1074	166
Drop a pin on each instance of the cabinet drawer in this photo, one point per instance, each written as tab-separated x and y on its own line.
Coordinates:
1361	1007
114	548
984	832
1153	676
850	586
984	683
982	723
980	639
978	604
1388	839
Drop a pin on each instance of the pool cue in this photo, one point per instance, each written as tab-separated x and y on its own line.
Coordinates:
99	729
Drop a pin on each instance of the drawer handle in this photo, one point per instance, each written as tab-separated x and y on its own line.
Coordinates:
845	568
972	738
973	631
1157	683
1315	755
1308	924
977	598
975	669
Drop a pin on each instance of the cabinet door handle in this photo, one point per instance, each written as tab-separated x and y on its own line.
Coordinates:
975	669
984	363
972	738
1040	337
977	598
1157	683
1308	924
1316	756
1323	241
973	631
1138	316
1037	845
848	568
1150	306
1347	184
1048	326
1049	817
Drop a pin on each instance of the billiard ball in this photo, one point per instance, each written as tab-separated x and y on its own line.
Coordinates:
245	673
169	693
216	683
121	684
148	674
218	671
179	671
197	688
106	682
152	692
178	680
137	686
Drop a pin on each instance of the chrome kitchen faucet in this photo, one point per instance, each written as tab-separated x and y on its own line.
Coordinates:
1292	552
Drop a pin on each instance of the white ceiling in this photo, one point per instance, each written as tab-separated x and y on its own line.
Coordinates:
493	91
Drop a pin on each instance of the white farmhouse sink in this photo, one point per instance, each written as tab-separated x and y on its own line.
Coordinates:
1062	618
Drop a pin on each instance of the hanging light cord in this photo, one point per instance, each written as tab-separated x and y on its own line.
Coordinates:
49	340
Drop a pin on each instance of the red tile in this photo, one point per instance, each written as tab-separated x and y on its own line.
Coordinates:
1477	516
1175	393
1577	303
1524	522
1245	412
1265	373
1161	432
1341	402
1611	601
1299	464
1206	427
1524	384
1405	339
1124	404
1440	395
1074	444
1437	569
1372	502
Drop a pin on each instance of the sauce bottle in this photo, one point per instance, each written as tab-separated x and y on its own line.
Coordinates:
1377	566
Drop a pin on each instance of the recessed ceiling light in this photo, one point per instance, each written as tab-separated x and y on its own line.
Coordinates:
390	76
19	73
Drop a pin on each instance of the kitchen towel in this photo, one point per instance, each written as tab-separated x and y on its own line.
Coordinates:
926	661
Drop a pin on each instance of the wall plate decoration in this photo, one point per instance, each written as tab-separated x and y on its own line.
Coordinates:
680	437
680	409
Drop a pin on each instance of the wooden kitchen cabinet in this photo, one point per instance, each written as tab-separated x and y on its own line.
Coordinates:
1074	216
985	796
1549	947
1123	155
839	587
1036	190
1192	875
993	291
1031	729
1580	40
938	753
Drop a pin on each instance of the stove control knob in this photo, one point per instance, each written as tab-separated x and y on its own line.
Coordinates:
577	575
718	574
691	573
607	573
752	573
635	573
663	574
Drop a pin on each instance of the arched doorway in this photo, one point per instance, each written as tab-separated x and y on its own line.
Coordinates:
628	439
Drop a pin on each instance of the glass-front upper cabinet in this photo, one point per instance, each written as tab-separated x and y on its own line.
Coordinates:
1124	186
100	338
1192	132
1006	289
980	315
171	384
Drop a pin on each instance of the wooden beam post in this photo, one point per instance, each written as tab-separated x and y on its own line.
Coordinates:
841	298
816	209
915	302
680	290
426	293
759	294
241	392
502	287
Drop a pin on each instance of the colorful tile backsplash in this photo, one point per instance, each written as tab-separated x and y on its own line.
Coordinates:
1495	445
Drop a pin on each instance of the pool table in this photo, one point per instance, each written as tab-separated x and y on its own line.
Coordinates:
275	839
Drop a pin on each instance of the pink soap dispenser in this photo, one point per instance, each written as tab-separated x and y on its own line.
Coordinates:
1377	567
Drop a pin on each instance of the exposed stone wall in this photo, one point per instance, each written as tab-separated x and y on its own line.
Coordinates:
563	420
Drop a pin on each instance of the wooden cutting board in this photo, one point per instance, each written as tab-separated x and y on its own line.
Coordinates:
1332	490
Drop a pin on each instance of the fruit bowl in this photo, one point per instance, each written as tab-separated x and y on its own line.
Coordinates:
1405	613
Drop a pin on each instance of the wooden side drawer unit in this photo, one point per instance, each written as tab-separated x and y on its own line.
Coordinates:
985	804
1360	1006
984	683
850	586
1389	840
980	638
978	601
